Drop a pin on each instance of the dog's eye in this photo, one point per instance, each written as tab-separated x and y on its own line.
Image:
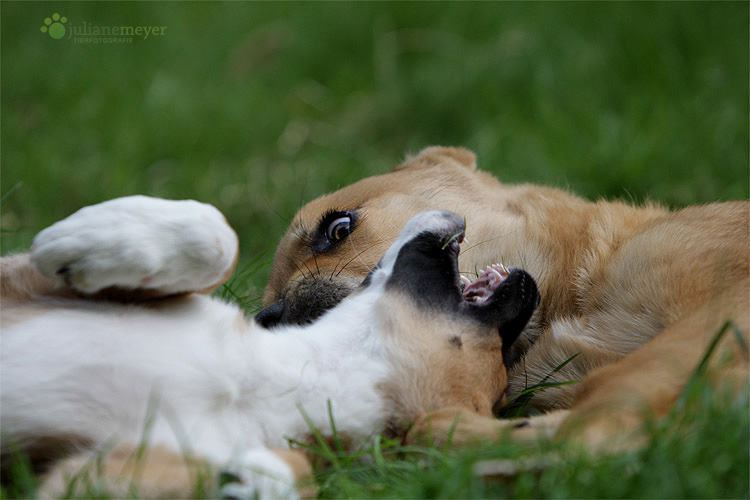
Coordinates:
339	228
333	227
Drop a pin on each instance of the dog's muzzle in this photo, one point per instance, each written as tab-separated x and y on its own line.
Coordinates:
304	303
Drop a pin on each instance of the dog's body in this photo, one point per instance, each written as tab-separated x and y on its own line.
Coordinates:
637	293
200	384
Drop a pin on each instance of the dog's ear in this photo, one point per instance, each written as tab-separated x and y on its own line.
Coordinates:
436	155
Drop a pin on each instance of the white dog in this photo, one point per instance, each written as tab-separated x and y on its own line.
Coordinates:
199	383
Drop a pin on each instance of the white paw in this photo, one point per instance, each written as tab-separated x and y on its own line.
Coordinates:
258	474
138	242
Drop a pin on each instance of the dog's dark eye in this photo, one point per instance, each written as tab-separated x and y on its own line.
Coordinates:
339	228
334	227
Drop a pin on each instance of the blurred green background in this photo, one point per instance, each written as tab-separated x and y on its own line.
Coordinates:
259	107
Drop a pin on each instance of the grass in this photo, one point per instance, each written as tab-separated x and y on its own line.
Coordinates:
259	107
694	455
700	452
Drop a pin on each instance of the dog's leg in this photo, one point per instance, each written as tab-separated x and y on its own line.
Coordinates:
20	281
162	247
125	471
459	426
160	472
616	399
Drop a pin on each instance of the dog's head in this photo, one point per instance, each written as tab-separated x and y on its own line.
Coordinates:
444	337
335	240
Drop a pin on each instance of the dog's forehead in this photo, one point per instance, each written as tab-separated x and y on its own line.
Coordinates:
369	192
435	178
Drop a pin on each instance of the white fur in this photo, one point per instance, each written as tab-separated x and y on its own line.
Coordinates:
192	373
259	473
138	242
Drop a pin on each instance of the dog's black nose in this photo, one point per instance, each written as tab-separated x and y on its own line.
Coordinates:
271	316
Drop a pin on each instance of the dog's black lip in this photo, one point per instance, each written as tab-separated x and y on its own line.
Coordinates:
454	248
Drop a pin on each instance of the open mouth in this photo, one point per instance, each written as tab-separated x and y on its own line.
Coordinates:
501	297
483	287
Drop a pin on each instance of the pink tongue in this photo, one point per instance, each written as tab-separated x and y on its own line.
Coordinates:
482	289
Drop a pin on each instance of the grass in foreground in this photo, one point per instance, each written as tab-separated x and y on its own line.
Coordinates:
701	452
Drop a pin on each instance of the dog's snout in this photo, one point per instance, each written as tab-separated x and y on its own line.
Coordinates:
271	316
304	303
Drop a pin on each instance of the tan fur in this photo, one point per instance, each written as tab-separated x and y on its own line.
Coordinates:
638	292
20	281
153	472
463	368
463	427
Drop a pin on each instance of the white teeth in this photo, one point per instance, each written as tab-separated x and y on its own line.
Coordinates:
497	273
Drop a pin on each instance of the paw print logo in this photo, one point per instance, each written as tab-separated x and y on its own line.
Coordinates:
55	26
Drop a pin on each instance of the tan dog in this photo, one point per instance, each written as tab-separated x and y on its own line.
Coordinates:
636	292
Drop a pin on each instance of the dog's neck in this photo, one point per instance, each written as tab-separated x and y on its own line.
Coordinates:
301	372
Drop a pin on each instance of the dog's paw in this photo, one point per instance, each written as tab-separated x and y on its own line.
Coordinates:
461	427
453	425
138	242
258	474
